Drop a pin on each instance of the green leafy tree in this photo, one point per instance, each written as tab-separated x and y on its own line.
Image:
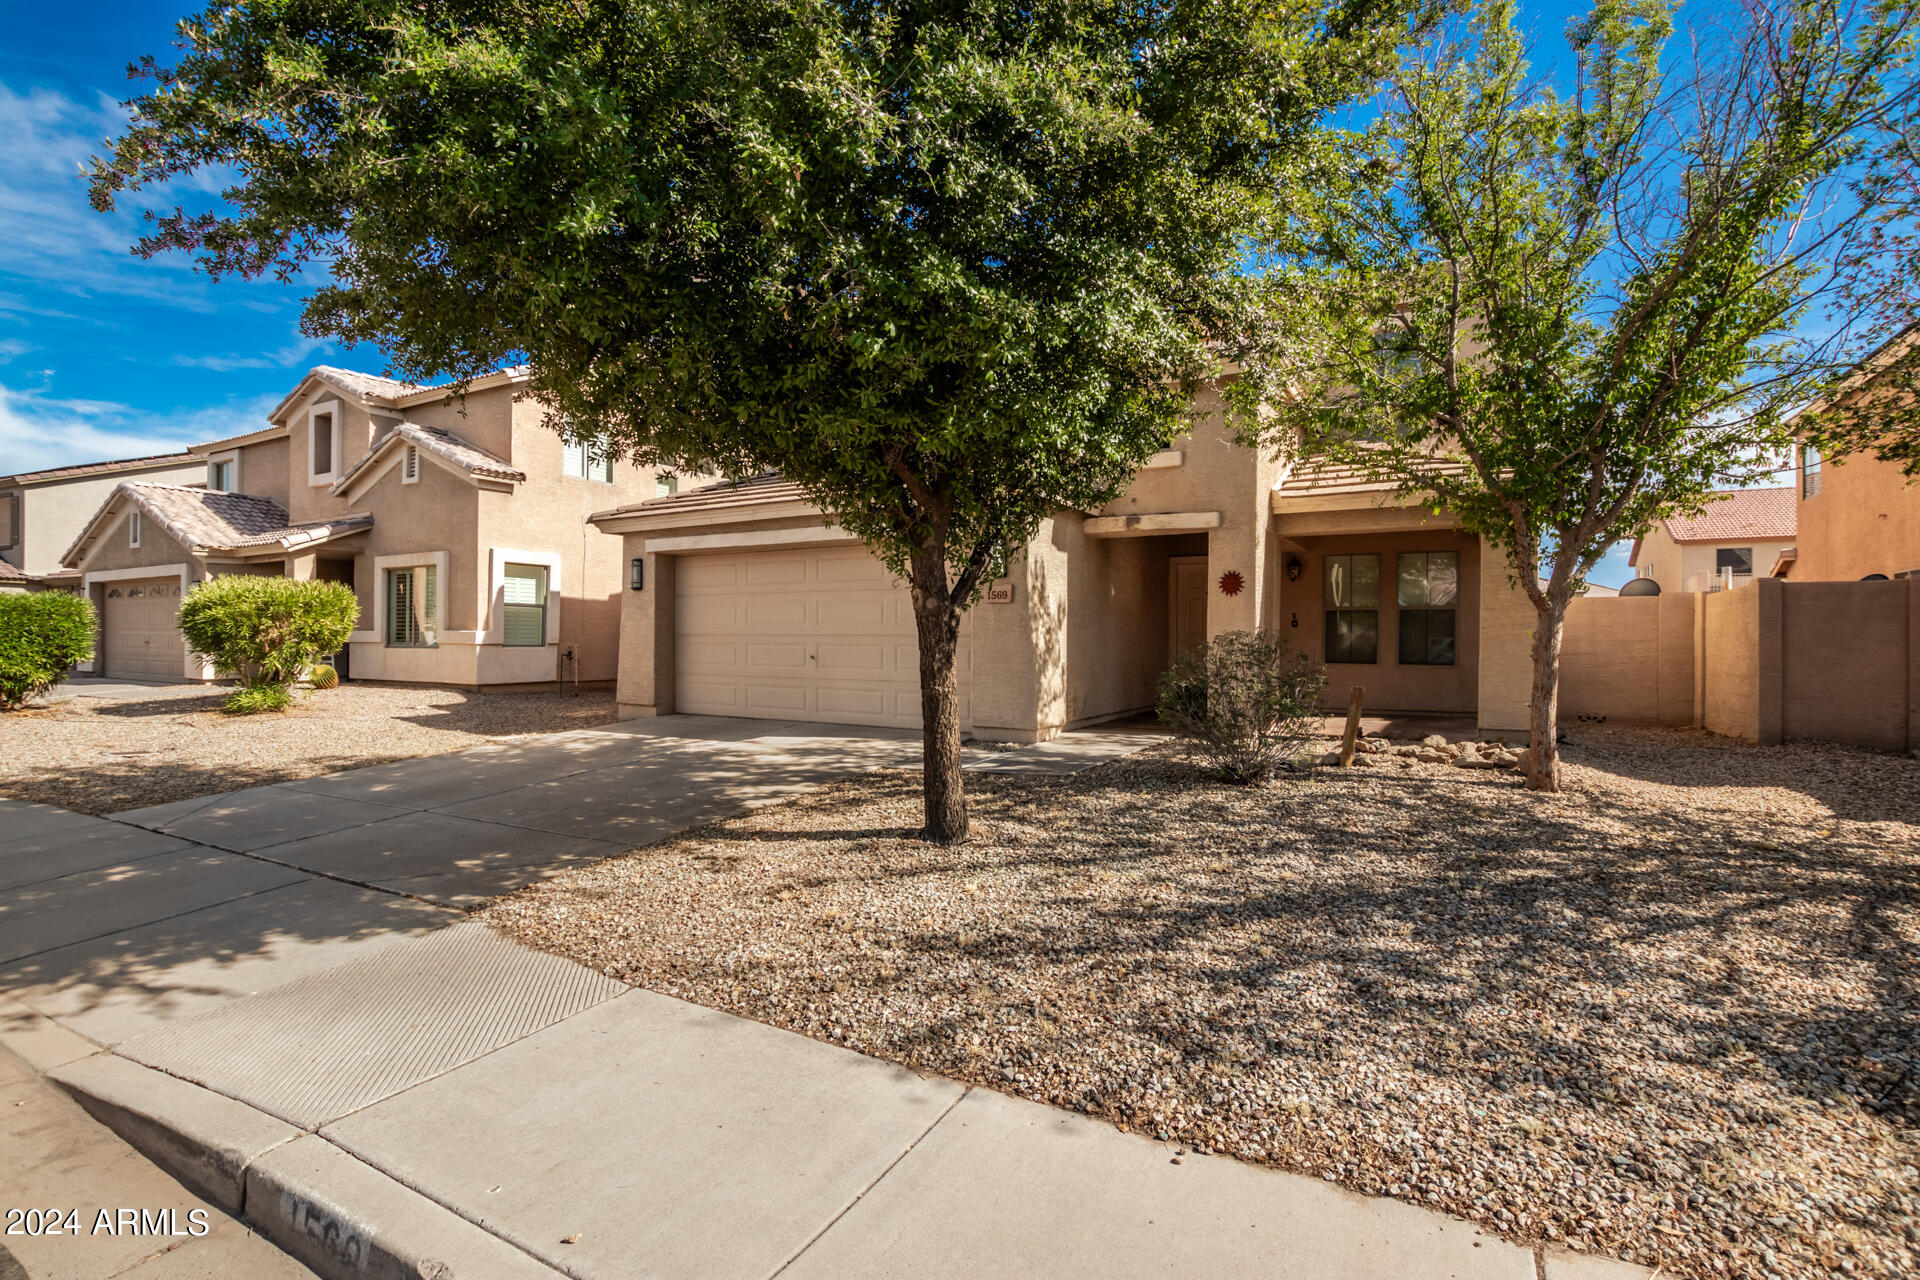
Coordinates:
42	635
266	632
1568	316
949	265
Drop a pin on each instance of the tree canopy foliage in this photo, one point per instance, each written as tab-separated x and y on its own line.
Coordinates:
1568	314
950	265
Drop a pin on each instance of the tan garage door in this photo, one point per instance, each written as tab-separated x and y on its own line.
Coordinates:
821	635
141	621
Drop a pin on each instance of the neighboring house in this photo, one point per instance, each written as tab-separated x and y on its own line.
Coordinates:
459	523
744	601
1592	591
1859	516
42	511
1738	537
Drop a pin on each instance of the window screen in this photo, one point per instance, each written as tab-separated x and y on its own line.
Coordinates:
1352	603
1738	559
410	607
524	608
1429	596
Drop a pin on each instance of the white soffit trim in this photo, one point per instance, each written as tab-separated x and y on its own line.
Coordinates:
1150	523
767	538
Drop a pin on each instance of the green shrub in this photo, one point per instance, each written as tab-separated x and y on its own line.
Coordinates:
323	676
1246	703
41	636
267	632
255	698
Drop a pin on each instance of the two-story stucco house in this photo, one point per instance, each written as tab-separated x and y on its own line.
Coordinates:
1859	516
460	523
1740	536
42	511
744	601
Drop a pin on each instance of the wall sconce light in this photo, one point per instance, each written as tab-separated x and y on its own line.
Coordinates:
638	579
1293	567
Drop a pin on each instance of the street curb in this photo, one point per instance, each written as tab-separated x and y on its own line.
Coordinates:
348	1221
326	1209
200	1137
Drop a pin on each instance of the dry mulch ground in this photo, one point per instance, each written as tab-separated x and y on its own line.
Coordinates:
1669	1015
97	755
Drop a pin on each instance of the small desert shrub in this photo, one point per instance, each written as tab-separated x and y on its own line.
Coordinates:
41	636
255	698
1245	703
323	676
267	632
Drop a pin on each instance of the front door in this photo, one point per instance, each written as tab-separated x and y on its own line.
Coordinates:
1187	592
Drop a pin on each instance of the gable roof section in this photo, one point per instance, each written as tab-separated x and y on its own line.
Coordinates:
1738	513
444	445
388	393
151	461
9	573
206	520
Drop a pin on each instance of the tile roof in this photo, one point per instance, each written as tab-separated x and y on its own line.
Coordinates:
1738	513
10	573
207	520
100	468
761	490
1324	477
470	458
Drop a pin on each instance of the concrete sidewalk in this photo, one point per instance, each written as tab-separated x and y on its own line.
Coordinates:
272	994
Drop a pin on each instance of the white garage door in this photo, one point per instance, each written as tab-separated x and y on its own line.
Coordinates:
141	621
821	635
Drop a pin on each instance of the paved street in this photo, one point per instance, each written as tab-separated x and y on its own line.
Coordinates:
276	995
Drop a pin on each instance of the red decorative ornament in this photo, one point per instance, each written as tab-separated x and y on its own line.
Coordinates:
1231	582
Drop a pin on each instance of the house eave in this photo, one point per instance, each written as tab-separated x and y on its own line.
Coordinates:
639	521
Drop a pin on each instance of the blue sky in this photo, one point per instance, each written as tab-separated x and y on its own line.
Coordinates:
105	355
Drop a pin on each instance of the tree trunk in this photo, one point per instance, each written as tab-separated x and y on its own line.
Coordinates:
1543	741
938	623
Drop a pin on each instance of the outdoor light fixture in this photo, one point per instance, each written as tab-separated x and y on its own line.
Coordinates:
638	581
1293	567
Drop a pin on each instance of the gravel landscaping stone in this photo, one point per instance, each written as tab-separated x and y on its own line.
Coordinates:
1669	1015
99	756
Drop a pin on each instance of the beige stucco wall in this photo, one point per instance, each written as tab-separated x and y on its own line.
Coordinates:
1865	519
307	501
1507	621
1730	660
52	514
1630	658
264	473
157	546
1389	686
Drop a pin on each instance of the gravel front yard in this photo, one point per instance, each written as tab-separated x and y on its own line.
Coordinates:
1670	1015
97	755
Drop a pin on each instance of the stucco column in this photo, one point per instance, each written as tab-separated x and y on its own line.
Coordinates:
1507	620
1018	688
302	566
644	686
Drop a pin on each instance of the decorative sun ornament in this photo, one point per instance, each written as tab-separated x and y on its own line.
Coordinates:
1231	582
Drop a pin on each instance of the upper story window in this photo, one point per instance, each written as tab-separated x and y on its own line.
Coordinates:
1352	604
666	484
581	460
1809	471
9	520
1429	595
1738	560
133	528
324	432
223	474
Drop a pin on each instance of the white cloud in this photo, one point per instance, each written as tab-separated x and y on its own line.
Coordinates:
292	356
38	431
12	347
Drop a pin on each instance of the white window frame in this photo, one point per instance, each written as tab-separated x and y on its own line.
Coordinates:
413	560
578	460
229	458
496	613
11	501
315	410
133	529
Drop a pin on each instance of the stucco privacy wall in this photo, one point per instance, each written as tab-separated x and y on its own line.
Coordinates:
1630	658
1507	620
1770	662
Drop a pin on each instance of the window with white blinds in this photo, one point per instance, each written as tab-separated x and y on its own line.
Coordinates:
524	605
411	603
580	460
